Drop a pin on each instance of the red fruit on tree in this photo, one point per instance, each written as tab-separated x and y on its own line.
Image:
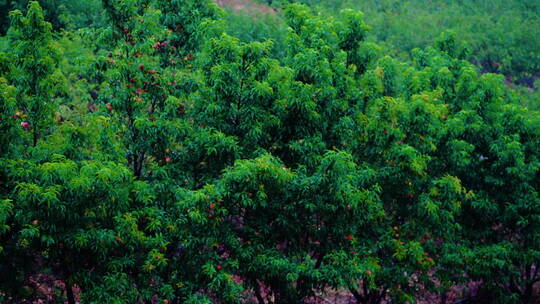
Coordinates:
219	267
168	159
25	124
349	237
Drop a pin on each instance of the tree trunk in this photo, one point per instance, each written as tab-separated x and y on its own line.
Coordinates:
443	298
258	295
138	161
527	296
357	296
69	293
36	136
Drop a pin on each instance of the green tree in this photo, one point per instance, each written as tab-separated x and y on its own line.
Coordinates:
189	22
134	82
9	116
32	70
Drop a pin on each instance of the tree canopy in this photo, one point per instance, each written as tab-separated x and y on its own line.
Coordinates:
158	158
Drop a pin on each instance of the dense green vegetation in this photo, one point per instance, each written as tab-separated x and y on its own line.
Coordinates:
498	32
62	14
156	151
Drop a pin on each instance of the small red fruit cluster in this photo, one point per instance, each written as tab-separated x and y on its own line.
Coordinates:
211	210
159	45
24	124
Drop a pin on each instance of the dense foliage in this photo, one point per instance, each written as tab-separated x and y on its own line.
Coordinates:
158	158
492	29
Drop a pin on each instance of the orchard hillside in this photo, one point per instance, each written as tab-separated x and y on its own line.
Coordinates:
171	151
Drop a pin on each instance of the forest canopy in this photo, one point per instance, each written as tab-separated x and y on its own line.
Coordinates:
172	151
